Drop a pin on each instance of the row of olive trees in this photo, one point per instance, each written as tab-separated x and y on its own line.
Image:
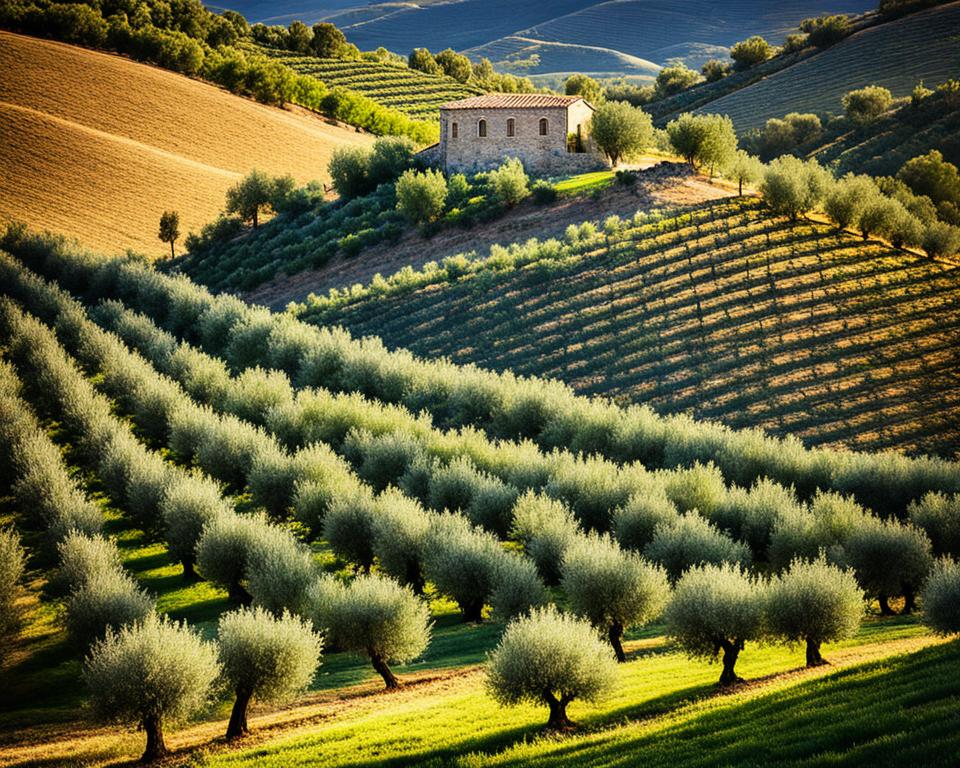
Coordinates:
552	658
548	413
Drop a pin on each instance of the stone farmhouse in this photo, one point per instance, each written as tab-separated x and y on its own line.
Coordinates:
549	134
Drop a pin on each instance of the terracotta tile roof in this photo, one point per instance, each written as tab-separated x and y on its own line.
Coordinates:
512	101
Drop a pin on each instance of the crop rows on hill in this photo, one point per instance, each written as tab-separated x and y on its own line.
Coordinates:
416	93
543	410
745	319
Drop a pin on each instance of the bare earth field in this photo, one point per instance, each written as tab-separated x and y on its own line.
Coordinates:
96	146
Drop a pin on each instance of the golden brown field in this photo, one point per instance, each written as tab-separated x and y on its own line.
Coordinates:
96	146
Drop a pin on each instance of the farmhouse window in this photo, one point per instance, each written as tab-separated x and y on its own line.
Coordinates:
543	126
482	129
511	127
454	130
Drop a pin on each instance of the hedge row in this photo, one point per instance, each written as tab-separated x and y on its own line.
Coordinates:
504	406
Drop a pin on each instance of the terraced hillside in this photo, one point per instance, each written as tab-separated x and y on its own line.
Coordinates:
417	94
514	54
722	312
97	147
896	55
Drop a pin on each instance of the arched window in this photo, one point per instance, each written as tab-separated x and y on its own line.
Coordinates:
543	126
511	127
482	129
454	130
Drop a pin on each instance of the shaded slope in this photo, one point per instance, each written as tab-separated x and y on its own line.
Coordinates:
97	146
724	313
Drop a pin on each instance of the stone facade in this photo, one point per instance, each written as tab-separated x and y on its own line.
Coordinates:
549	134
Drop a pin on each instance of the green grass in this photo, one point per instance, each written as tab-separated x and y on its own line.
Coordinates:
585	182
659	693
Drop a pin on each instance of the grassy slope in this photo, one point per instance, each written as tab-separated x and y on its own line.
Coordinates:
96	146
808	332
896	55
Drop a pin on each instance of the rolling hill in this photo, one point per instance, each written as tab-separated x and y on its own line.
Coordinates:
96	146
896	55
720	311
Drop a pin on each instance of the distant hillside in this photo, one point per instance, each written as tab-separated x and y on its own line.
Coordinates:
96	146
720	311
896	55
692	30
417	94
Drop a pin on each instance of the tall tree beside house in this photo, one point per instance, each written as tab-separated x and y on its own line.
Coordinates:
583	85
169	229
621	130
257	192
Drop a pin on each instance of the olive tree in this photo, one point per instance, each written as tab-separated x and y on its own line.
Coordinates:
108	599
941	597
814	602
635	522
169	229
689	540
611	588
743	167
280	570
462	561
421	196
792	187
82	557
703	140
545	527
553	659
938	514
889	559
847	198
940	239
753	50
255	192
714	608
349	527
621	130
509	182
865	105
264	658
148	674
376	616
223	552
12	565
187	507
516	587
400	531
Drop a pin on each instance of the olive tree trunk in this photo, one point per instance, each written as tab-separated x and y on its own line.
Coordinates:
731	651
472	611
909	599
615	633
237	726
814	659
885	609
558	711
380	664
156	747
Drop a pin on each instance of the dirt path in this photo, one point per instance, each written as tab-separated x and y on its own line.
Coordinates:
666	184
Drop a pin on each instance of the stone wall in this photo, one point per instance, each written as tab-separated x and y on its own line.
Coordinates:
540	155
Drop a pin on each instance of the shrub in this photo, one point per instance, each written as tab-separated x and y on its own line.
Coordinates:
400	529
938	515
753	50
714	70
421	196
699	487
716	608
889	559
814	603
621	131
349	527
634	523
941	598
824	31
674	79
543	192
83	557
12	565
792	187
846	199
550	658
186	508
264	658
462	561
690	540
349	171
376	616
486	500
932	176
751	516
545	527
614	589
108	599
865	105
516	587
382	460
391	156
509	183
121	672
